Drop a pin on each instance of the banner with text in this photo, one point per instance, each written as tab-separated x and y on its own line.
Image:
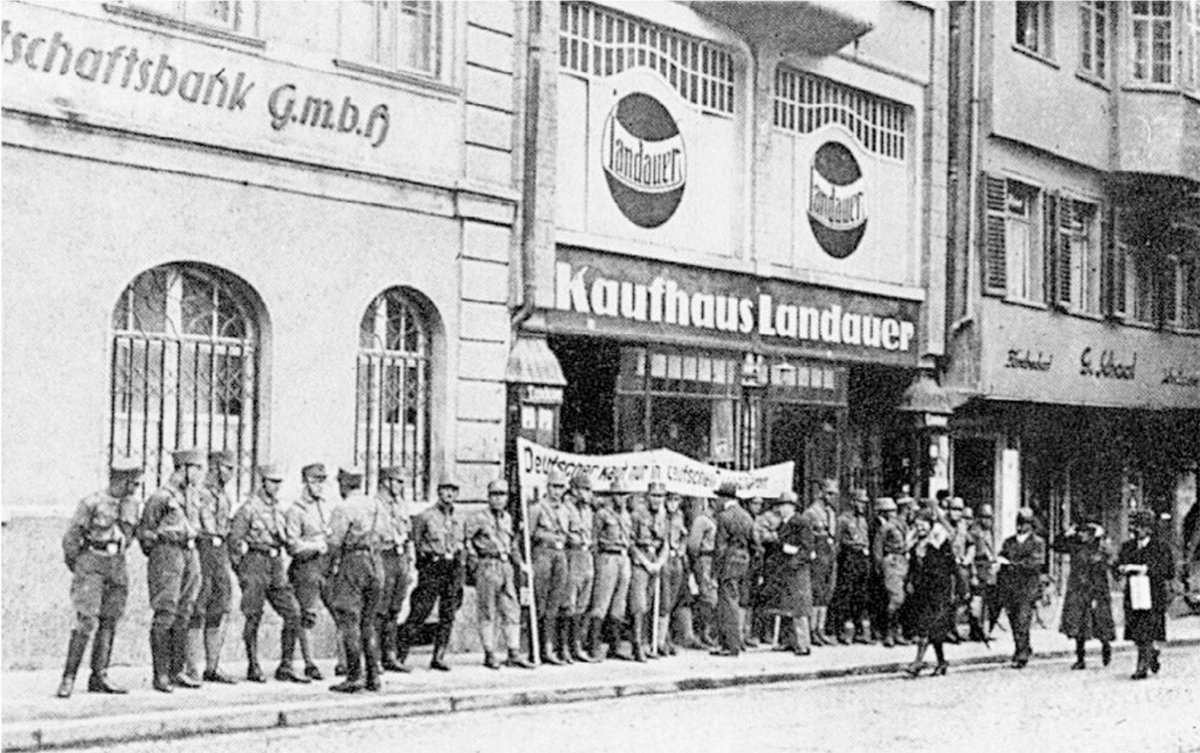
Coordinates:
681	474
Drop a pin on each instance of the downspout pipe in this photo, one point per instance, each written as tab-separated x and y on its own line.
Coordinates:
529	163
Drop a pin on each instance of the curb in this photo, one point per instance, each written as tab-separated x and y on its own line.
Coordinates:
176	724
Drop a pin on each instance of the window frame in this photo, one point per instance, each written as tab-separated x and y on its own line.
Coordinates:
244	30
1087	284
1044	49
1095	39
1189	75
1151	21
442	41
1033	289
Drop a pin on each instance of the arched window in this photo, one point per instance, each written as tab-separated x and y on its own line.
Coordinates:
393	393
184	367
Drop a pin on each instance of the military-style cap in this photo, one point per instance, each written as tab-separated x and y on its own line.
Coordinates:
190	456
956	503
125	467
906	501
885	504
860	495
497	486
447	481
270	472
985	511
1025	513
314	470
968	513
788	497
829	485
581	480
556	478
656	487
394	472
728	490
353	472
222	457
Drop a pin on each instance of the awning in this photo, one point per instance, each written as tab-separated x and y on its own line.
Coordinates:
532	362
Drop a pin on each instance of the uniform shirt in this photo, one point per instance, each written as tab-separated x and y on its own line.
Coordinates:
100	519
677	534
260	524
819	517
891	538
580	525
438	533
649	533
547	525
307	522
612	531
216	509
171	514
359	522
1025	557
702	539
401	523
490	534
984	546
852	532
735	529
960	540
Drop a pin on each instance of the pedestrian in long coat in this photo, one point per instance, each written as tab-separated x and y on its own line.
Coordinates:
1146	555
1087	604
932	569
789	583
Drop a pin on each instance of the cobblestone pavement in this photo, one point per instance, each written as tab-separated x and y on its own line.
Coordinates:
1045	708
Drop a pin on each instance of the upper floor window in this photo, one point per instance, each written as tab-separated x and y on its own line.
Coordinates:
1093	37
1078	256
1188	286
599	42
1023	242
1152	40
804	103
1034	27
1142	287
403	36
219	16
1191	40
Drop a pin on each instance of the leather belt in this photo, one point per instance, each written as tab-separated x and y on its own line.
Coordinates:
214	541
612	550
107	548
501	557
187	544
543	545
270	551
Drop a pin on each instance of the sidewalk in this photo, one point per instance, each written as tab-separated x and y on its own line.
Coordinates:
33	719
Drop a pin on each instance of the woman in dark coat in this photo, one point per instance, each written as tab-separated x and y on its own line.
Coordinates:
931	573
788	584
1087	605
1145	554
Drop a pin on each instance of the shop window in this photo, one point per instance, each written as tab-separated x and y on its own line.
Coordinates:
1034	31
805	103
1152	38
1093	37
392	399
598	42
184	367
400	36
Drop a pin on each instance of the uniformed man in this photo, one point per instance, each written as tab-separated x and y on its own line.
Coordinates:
397	565
734	543
437	536
823	519
673	574
701	546
984	604
647	557
308	528
889	553
611	588
853	570
206	634
580	560
548	538
258	540
767	523
167	531
359	528
964	557
1021	558
94	550
492	551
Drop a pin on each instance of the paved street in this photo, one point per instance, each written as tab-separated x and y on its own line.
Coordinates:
1045	708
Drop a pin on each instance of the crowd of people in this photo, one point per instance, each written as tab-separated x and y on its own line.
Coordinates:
604	572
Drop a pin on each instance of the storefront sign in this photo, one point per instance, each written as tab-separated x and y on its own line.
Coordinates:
81	69
644	160
1104	365
837	207
681	474
643	296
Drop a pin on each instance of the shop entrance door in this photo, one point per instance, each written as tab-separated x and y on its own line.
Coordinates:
975	471
808	436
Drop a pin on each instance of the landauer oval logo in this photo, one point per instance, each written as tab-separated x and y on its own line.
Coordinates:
837	209
644	160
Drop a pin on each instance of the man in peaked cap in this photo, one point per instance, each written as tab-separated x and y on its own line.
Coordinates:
206	634
985	607
397	564
1022	558
94	551
258	539
307	521
853	542
578	506
610	587
437	535
889	553
734	543
167	532
548	523
493	550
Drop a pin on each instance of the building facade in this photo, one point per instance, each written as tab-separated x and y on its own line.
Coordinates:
282	229
1073	284
743	233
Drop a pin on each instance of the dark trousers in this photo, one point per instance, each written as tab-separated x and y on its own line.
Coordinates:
440	582
354	597
731	587
1020	617
850	591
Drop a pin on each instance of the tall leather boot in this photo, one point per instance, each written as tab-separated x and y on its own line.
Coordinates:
75	648
193	651
564	639
214	639
160	653
579	626
388	638
351	646
639	650
403	640
371	661
593	639
287	652
546	637
439	657
254	671
101	654
179	648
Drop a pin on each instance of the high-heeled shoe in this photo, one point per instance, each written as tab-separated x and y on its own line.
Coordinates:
940	669
915	668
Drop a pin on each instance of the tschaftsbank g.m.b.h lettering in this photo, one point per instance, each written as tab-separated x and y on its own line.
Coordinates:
664	300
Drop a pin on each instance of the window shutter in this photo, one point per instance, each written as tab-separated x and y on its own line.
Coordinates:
1168	284
1050	245
992	243
1065	217
1113	266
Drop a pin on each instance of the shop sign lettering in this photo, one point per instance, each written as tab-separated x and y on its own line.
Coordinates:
1106	366
126	67
1181	378
1025	359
